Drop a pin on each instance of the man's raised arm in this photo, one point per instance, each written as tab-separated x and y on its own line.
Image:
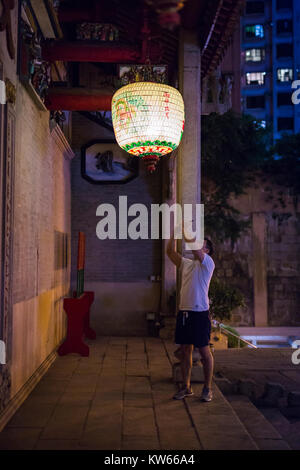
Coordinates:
199	254
172	253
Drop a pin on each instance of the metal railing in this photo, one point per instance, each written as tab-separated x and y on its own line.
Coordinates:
223	329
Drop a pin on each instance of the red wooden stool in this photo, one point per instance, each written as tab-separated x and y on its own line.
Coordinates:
78	313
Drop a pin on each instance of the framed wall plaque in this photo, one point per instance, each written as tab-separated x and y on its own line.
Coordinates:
104	162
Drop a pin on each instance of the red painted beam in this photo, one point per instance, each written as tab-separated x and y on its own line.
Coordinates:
82	52
76	16
75	102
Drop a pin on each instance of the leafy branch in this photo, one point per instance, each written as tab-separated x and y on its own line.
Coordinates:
234	147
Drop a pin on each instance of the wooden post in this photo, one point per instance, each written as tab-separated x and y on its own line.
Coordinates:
80	264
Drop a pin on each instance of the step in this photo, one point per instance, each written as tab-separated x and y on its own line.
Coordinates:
273	345
268	341
261	430
288	431
217	424
270	337
285	331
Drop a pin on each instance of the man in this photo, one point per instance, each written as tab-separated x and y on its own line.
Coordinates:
193	324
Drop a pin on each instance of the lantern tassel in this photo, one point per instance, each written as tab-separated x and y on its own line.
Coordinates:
151	162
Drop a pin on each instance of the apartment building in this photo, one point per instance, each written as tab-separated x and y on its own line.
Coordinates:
270	63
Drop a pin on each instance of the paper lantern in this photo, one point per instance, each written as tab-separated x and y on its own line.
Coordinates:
148	120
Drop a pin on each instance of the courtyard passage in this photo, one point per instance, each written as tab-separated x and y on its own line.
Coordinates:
120	398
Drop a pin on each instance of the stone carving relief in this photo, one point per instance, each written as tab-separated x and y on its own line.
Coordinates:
217	92
7	136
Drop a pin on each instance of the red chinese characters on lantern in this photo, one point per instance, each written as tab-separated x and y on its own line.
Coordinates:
166	101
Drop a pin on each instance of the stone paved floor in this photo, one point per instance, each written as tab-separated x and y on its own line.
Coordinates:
120	398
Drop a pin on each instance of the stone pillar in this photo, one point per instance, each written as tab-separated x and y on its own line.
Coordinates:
259	269
181	179
189	156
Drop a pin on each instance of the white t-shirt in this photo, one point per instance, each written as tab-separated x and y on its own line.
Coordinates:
195	279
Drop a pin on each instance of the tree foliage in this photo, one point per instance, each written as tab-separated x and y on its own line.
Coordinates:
233	148
224	298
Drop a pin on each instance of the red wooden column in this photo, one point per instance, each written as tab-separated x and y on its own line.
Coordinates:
78	311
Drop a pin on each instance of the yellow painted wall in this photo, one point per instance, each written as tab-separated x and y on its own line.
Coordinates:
38	327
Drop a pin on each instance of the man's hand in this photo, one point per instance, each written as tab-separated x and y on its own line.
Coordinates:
192	243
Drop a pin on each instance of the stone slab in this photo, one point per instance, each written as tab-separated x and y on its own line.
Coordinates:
17	438
139	421
66	422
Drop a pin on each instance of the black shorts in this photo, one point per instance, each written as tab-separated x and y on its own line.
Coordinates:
193	328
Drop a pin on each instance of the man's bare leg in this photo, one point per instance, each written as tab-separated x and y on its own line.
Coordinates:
208	365
186	354
186	364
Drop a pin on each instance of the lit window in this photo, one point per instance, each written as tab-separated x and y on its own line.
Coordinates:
254	31
255	78
261	123
284	75
255	55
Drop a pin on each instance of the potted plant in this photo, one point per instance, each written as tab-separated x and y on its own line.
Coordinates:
224	298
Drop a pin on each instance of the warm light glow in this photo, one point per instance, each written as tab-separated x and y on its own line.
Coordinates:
148	119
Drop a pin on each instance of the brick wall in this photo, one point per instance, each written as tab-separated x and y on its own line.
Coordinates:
117	270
